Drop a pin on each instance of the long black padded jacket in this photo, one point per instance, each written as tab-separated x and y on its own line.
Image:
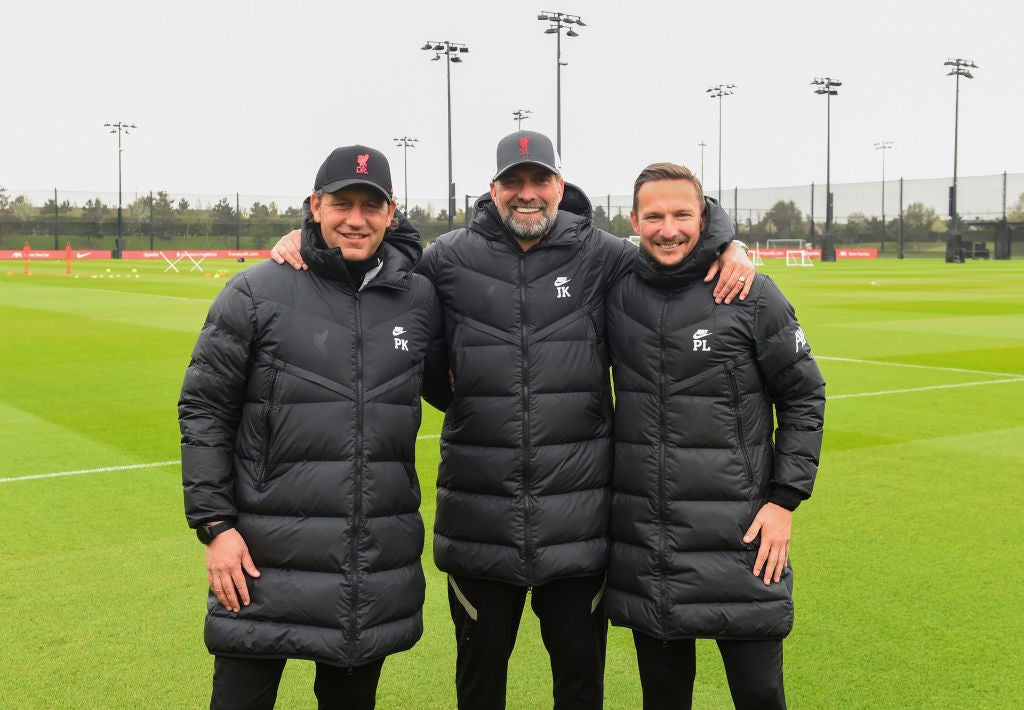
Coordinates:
697	385
299	413
526	448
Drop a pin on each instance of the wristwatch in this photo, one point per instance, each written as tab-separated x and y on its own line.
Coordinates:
206	533
741	245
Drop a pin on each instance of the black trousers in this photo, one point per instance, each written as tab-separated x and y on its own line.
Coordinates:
251	684
667	670
572	625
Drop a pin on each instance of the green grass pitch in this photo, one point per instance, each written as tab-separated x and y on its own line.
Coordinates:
908	558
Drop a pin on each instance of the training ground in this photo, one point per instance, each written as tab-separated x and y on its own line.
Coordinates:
908	559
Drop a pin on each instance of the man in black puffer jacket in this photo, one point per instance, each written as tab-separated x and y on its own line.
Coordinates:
703	493
299	414
526	450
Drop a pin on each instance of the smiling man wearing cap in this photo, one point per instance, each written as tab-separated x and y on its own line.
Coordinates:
298	414
523	486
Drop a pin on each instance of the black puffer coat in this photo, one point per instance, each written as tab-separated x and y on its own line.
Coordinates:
299	413
695	458
526	449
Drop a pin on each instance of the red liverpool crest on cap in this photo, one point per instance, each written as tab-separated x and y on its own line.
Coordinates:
524	145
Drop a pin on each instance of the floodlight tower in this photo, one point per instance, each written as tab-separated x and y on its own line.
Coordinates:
451	52
119	127
958	68
519	115
717	92
883	146
827	86
560	20
405	143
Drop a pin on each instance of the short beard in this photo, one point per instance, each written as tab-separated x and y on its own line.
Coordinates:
526	233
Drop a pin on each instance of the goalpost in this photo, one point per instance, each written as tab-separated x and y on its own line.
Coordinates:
794	244
798	257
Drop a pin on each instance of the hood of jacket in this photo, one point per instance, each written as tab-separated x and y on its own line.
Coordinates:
716	235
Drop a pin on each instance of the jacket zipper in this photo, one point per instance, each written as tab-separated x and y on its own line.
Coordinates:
741	439
261	479
662	503
359	463
525	370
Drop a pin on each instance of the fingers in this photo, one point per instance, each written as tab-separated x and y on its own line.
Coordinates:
223	587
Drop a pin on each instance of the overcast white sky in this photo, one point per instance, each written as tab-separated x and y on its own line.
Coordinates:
251	96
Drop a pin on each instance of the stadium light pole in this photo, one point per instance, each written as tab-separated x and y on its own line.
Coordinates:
559	20
405	143
702	145
119	127
883	146
827	86
519	115
717	92
958	68
451	52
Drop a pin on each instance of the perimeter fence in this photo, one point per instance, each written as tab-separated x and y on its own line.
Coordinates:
911	217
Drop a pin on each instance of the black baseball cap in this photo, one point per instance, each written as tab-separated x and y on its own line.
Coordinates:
526	148
355	165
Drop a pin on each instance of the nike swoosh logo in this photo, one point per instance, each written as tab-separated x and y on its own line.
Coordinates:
82	254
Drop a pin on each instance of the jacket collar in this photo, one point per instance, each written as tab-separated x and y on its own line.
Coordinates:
327	263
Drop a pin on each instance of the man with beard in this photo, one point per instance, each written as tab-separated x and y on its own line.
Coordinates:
526	450
703	491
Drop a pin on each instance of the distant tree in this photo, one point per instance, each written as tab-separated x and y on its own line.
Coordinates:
621	226
4	199
601	218
94	217
1016	214
785	218
919	222
225	221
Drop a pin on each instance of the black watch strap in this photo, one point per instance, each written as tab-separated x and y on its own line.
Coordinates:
206	533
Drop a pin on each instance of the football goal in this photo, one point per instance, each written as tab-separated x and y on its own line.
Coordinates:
798	257
794	244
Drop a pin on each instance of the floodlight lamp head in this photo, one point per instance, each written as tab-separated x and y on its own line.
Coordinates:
580	22
438	47
455	59
551	30
428	45
572	33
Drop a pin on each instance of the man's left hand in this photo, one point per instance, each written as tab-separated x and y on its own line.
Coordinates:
737	274
774	524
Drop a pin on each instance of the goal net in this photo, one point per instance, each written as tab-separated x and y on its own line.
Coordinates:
798	257
787	244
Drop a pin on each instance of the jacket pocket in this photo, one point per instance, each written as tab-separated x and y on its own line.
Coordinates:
269	420
741	439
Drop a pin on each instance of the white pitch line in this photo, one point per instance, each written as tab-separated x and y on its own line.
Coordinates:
918	367
131	467
829	398
88	470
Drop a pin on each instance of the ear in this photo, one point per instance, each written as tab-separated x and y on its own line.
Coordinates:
391	210
494	190
634	221
561	187
314	207
704	219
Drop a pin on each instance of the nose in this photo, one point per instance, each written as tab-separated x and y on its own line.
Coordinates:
354	217
527	192
667	228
